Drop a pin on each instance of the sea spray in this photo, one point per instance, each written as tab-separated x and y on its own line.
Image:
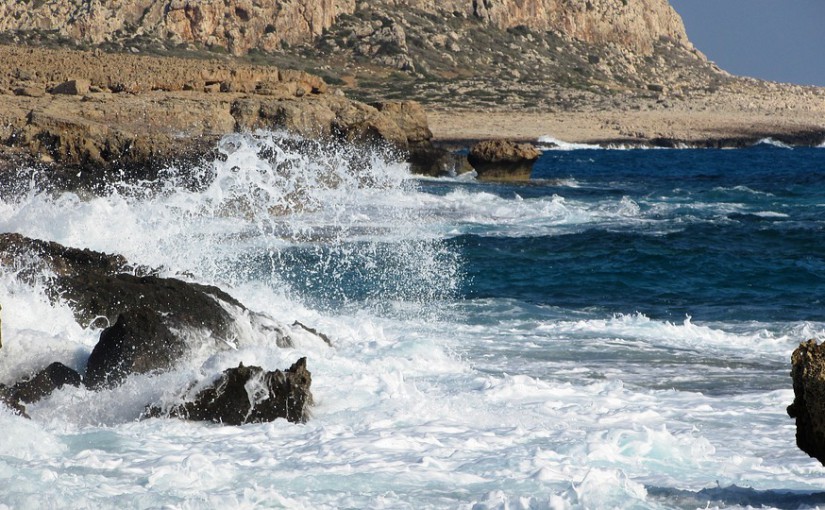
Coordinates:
566	374
330	222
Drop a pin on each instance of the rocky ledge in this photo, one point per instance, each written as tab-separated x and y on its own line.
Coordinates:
97	112
153	323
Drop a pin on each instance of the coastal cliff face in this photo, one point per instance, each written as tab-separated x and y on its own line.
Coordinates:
243	25
238	25
633	24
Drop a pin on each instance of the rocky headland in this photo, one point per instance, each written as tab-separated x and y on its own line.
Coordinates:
602	71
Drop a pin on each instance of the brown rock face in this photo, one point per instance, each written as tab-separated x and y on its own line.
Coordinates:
503	159
240	25
634	24
146	111
237	25
808	408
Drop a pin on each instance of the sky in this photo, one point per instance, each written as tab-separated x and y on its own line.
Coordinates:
777	40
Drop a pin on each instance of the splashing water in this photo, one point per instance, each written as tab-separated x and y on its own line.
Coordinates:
328	222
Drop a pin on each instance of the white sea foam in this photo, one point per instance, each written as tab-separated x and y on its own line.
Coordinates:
554	144
774	143
460	409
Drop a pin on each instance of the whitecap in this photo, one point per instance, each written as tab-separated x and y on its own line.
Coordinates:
552	143
770	214
773	143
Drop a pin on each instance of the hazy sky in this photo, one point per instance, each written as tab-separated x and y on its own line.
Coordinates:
779	40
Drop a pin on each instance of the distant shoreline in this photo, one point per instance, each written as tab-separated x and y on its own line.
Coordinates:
722	129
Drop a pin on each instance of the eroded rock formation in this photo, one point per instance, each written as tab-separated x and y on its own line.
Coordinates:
141	112
249	395
808	407
503	159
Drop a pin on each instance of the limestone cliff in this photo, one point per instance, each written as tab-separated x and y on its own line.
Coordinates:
633	24
242	25
238	25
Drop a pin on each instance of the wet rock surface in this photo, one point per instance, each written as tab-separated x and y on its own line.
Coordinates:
154	323
38	386
249	394
808	407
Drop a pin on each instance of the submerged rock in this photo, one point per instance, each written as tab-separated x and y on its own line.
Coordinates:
503	159
38	386
808	407
249	395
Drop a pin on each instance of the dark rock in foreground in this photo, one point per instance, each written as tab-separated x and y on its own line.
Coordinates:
38	386
808	407
154	323
100	286
249	395
503	159
138	342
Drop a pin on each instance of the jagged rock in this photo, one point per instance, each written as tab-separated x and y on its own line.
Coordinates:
503	159
43	383
139	342
38	386
150	317
249	395
808	407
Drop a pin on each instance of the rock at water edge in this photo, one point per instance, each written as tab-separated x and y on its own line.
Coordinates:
808	407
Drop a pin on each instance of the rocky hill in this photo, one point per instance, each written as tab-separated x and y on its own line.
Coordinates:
530	54
533	57
242	25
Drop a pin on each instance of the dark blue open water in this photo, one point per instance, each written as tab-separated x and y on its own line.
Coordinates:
719	235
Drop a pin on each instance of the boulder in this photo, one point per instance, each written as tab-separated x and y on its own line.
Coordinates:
77	87
249	395
503	159
808	407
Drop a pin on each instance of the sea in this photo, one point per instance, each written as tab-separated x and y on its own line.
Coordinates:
615	332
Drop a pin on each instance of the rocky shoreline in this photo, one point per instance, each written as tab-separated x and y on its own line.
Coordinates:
152	324
72	110
86	116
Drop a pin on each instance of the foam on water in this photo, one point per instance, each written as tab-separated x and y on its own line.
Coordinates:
554	144
773	143
423	401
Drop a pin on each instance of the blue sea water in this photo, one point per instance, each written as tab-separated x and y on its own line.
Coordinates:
613	333
718	235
